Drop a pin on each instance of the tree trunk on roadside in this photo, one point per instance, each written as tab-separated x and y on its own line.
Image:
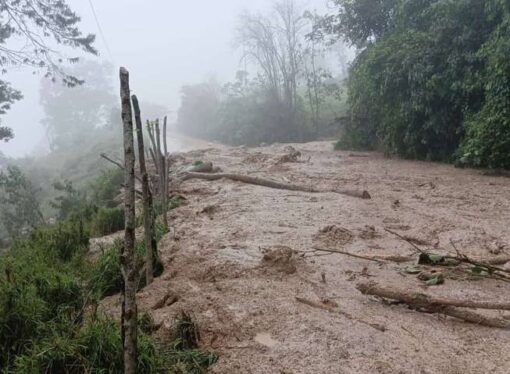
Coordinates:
148	214
129	309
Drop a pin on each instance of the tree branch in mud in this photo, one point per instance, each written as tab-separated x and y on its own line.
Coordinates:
366	258
270	183
335	310
461	258
447	306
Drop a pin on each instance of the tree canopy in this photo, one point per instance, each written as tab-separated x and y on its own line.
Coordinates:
30	31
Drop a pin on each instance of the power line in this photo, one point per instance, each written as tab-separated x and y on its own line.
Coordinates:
100	29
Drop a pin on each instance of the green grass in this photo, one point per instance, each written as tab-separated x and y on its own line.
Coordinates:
47	285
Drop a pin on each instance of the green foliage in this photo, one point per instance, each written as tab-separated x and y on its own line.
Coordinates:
94	346
487	140
186	334
106	187
68	201
107	221
433	77
106	277
38	289
65	239
45	287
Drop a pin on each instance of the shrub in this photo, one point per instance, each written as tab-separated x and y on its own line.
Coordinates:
108	221
63	239
95	347
106	187
36	294
106	276
43	328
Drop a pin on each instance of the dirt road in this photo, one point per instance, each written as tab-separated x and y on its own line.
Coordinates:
241	254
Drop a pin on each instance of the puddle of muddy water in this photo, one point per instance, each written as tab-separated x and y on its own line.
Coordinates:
265	338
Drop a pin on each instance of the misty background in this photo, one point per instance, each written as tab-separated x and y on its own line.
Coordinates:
164	44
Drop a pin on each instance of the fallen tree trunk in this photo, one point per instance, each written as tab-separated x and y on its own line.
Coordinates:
420	298
270	183
445	306
498	260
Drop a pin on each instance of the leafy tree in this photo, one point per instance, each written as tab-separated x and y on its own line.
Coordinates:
39	25
68	201
18	200
430	77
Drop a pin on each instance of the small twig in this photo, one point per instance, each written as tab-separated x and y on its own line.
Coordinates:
345	314
118	164
380	261
405	239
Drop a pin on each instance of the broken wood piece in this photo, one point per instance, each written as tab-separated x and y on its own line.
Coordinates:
460	257
447	306
270	183
396	258
332	309
168	299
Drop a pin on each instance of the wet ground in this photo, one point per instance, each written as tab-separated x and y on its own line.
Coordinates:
240	254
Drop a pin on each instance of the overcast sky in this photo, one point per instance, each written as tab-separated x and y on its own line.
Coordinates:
163	43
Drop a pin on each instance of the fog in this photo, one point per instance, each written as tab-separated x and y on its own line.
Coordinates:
164	44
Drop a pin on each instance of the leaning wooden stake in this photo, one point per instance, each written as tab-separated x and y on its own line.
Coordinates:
164	176
129	310
148	220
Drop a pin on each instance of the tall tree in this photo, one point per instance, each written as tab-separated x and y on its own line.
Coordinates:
39	25
275	44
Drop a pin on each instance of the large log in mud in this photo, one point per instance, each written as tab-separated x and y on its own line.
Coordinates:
271	184
448	306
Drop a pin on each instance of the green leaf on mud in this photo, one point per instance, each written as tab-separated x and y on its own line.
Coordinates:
435	280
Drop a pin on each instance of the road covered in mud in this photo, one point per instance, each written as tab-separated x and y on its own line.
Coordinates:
254	265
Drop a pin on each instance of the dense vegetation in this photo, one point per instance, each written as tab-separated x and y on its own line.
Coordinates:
431	80
50	288
48	319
